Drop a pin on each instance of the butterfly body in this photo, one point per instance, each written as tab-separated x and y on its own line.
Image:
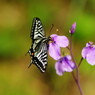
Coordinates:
39	48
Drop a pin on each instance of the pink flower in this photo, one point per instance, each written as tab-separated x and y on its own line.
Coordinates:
64	64
56	43
88	53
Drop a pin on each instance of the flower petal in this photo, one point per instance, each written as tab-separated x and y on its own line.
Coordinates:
54	51
91	57
88	53
58	68
68	65
64	64
90	44
85	51
62	41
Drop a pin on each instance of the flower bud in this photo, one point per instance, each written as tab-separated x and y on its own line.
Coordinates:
72	30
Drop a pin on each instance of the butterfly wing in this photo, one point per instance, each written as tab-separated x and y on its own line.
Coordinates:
38	50
37	30
40	56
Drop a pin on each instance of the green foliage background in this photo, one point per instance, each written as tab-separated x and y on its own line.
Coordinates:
15	25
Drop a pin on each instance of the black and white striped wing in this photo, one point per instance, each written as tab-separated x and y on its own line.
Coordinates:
37	29
40	57
38	49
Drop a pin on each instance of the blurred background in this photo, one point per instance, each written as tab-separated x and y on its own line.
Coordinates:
15	25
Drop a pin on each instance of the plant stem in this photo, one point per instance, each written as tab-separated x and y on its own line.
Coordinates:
78	84
80	62
77	72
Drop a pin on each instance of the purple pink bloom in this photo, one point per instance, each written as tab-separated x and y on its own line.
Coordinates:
56	43
64	64
88	53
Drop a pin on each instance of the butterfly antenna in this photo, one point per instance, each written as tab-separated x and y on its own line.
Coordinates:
51	28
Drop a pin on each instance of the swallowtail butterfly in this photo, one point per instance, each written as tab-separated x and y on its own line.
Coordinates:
39	48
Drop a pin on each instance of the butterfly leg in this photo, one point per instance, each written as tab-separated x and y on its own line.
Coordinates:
30	64
26	53
29	51
31	60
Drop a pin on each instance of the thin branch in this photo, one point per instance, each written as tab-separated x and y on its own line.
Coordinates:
80	62
77	72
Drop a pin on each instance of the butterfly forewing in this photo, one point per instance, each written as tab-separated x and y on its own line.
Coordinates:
37	29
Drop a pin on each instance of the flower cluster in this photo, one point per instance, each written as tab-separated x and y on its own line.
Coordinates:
63	64
68	63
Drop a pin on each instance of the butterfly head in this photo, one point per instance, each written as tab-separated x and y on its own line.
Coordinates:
50	40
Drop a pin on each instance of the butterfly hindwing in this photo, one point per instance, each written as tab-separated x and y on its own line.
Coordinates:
40	57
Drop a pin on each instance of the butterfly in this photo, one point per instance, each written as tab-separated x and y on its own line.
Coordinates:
39	48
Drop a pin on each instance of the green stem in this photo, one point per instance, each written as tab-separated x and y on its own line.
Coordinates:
80	62
77	72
